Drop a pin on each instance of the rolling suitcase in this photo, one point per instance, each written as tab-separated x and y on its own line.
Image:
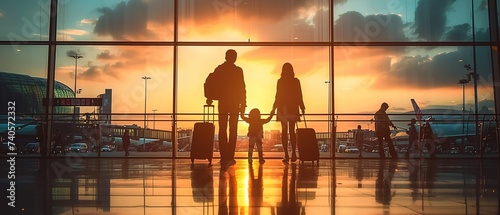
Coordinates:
307	144
202	145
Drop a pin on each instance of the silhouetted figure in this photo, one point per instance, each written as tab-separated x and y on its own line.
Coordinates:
288	100
228	202
428	137
360	173
289	204
358	139
58	143
383	132
126	142
421	176
412	136
255	132
383	193
125	168
202	183
231	94
255	190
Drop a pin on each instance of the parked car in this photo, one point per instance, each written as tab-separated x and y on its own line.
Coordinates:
32	148
351	149
58	149
106	148
470	150
78	147
341	148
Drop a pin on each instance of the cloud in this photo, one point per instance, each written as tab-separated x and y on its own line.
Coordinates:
430	18
72	32
72	53
352	26
88	21
126	21
458	33
442	70
105	55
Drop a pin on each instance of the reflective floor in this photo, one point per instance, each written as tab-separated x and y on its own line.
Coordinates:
75	185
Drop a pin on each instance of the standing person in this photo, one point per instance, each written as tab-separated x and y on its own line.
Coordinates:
359	138
383	132
255	132
412	136
59	143
231	94
126	142
428	136
288	100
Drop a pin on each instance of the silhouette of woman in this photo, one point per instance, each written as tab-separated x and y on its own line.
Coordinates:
288	100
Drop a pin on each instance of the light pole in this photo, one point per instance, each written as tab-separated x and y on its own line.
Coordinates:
76	56
154	118
463	82
145	97
329	115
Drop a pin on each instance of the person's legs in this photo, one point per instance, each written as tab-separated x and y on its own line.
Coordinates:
431	147
410	145
223	145
284	139
251	144
380	140
293	139
392	150
233	134
259	149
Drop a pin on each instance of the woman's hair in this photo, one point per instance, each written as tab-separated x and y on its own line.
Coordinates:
254	114
287	71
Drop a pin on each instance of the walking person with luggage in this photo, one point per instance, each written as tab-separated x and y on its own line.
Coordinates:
126	142
227	85
288	101
255	132
383	132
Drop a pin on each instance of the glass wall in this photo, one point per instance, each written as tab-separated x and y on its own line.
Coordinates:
148	60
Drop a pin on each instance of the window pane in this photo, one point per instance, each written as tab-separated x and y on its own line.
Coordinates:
24	20
397	21
367	76
115	20
115	73
254	21
262	68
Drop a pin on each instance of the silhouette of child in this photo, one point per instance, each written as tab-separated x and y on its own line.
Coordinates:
255	132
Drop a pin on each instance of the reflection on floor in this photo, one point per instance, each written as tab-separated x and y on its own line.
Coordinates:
166	186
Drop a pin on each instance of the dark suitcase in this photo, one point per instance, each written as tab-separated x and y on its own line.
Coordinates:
202	145
307	144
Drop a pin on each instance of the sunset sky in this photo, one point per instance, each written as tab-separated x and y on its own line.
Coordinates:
364	76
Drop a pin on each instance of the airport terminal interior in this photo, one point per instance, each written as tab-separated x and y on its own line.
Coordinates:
76	75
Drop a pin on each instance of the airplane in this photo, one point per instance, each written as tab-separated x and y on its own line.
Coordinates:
25	129
446	123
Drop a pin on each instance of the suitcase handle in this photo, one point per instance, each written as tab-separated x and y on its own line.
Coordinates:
305	123
206	112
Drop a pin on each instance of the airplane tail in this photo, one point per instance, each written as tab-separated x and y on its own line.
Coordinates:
418	112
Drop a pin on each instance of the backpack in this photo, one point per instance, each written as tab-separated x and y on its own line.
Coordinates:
210	86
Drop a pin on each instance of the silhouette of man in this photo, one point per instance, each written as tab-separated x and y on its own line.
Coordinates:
232	102
383	132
